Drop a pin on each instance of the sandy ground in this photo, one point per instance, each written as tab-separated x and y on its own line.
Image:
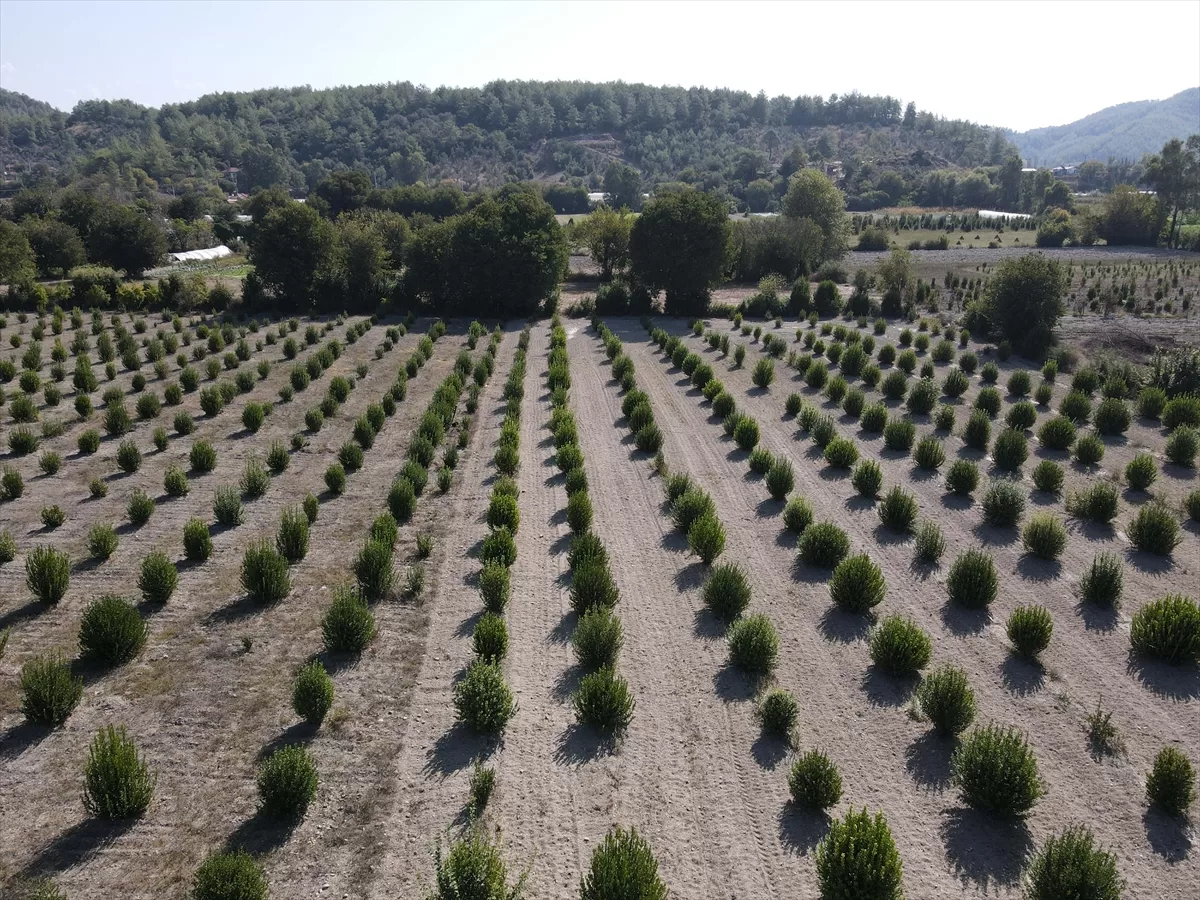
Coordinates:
693	773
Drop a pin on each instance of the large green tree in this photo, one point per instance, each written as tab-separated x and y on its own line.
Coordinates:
623	185
56	245
340	192
811	195
1129	217
125	238
1023	301
1175	176
294	251
680	245
605	234
17	262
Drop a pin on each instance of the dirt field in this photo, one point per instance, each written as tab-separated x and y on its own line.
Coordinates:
693	773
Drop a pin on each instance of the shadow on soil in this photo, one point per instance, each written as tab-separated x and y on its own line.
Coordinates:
1164	679
927	760
988	851
800	830
843	627
1169	836
77	845
1022	676
884	689
456	750
581	744
769	750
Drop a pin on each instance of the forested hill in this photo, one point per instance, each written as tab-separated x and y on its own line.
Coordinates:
548	131
1126	131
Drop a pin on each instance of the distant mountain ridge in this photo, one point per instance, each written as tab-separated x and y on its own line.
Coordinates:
1124	131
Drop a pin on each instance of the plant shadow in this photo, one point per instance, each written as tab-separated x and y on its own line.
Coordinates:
1164	679
580	744
456	750
1022	676
769	750
261	834
21	737
297	733
845	628
800	829
20	614
987	850
927	760
1170	836
77	845
884	689
963	621
734	686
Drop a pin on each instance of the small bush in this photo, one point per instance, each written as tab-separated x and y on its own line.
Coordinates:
706	538
797	515
1154	530
1151	402
1071	865
1112	416
1021	415
726	593
111	631
898	510
1097	503
753	645
499	547
745	433
49	690
1182	446
287	783
930	454
1182	410
874	418
1077	407
824	545
490	638
814	781
579	512
265	577
158	578
373	571
197	544
129	458
117	783
89	441
102	541
494	586
763	373
335	479
348	624
858	858
603	700
972	580
995	771
292	538
1029	628
53	516
899	434
227	506
779	713
857	585
483	700
1171	784
623	866
963	477
1169	629
1003	503
899	646
1044	535
1089	450
202	457
947	700
1048	476
232	875
1141	472
597	638
47	574
760	460
978	430
1010	450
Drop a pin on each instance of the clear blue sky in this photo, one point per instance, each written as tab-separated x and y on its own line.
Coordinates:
1051	63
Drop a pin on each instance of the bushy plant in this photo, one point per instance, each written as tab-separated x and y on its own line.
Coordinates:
287	783
858	858
778	713
348	624
995	771
1183	409
1044	535
753	645
49	690
1154	530
373	571
579	512
1097	503
603	700
129	458
117	782
972	581
1151	402
857	585
230	875
946	698
1010	450
898	510
899	434
1141	472
111	632
483	700
1171	784
1169	629
1182	445
499	547
1003	503
978	430
1029	629
814	781
1076	407
823	544
47	574
490	638
157	578
265	577
1071	865
929	454
706	537
202	457
874	418
899	646
598	638
1089	450
797	515
623	866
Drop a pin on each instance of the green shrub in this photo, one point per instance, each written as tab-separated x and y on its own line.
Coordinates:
1048	476
797	515
899	646
1044	535
227	506
972	580
1097	503
814	781
158	578
1182	410
1154	530
203	457
348	624
690	506
780	478
706	538
129	458
111	631
857	585
373	571
232	875
603	700
140	507
874	418
1029	628
792	404
579	512
1182	446
1171	784
483	700
930	454
1019	383
47	574
823	544
867	478
335	479
117	783
265	577
490	638
745	433
1071	865
778	714
1003	503
899	434
1151	402
760	460
503	511
1021	415
898	510
955	383
53	516
287	783
1089	450
494	586
1112	416
978	430
1169	629
895	385
197	545
1076	407
499	547
1103	581
963	477
1010	450
102	541
1191	503
623	866
763	373
597	638
753	645
995	771
49	690
990	372
292	538
923	397
947	700
823	431
1141	472
858	858
726	593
